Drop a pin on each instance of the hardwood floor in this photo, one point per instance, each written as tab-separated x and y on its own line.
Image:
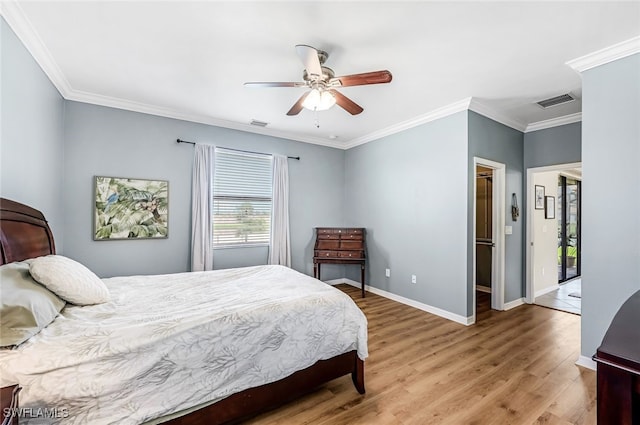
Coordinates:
512	367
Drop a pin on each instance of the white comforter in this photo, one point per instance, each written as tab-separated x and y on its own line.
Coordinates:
166	343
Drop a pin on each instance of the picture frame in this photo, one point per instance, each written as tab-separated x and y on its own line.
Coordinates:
549	207
539	197
128	208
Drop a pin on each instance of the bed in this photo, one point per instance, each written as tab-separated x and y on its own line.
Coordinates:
204	347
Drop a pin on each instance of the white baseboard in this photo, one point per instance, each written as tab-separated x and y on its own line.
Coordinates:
333	282
546	290
483	288
587	362
513	304
407	301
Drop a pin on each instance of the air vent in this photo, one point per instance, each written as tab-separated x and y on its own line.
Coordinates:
259	123
558	100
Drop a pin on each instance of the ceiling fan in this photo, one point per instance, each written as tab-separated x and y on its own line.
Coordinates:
323	83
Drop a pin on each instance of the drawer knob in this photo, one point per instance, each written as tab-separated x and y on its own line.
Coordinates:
349	255
327	254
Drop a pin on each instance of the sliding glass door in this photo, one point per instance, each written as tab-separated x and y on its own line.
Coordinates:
569	210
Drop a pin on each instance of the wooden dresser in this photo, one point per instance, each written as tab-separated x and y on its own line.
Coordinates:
339	245
618	359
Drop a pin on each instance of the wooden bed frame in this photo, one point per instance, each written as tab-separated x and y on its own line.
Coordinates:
25	233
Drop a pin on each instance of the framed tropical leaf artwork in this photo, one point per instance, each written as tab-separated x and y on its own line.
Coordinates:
130	208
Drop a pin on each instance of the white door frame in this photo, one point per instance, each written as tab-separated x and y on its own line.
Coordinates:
498	232
530	260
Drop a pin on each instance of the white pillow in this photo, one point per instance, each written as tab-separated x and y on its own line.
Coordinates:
69	279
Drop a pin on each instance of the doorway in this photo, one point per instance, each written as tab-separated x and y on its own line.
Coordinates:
553	237
488	235
569	227
484	228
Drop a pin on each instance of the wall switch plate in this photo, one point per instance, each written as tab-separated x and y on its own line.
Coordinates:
413	278
387	272
508	230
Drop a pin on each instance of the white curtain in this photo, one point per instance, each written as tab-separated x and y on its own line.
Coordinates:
201	208
280	244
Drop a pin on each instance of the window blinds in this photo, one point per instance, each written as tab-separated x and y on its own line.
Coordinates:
242	192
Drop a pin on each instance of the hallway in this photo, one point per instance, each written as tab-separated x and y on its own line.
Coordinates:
564	298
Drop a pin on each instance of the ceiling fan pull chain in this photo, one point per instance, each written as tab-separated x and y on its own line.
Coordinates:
317	119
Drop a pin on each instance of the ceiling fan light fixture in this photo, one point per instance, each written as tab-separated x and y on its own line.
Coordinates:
323	83
319	100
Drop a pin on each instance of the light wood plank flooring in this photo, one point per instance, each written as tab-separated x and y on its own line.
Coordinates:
513	367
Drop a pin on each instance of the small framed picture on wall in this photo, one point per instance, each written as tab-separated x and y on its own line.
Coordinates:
539	197
549	207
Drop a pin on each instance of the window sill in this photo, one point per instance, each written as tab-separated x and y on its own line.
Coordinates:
266	245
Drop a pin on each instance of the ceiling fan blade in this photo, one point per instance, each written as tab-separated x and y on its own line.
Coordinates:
376	77
309	57
345	103
297	107
274	84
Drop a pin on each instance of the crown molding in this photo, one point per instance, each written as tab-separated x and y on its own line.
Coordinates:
21	26
482	109
112	102
19	23
606	55
442	112
554	122
469	103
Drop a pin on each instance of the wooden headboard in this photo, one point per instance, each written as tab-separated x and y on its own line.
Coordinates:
24	232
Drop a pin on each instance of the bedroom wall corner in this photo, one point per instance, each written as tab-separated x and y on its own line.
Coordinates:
32	134
409	190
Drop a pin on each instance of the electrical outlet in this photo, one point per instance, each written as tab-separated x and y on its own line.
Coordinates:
387	272
413	278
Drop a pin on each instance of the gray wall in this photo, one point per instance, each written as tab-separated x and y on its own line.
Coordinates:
497	142
113	142
553	146
409	191
611	194
31	150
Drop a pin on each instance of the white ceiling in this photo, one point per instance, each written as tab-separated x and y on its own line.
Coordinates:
190	59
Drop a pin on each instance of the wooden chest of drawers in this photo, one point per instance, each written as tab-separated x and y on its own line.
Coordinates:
338	245
618	359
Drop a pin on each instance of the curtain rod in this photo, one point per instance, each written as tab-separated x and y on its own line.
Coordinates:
239	150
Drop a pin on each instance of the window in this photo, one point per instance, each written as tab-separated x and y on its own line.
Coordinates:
241	199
